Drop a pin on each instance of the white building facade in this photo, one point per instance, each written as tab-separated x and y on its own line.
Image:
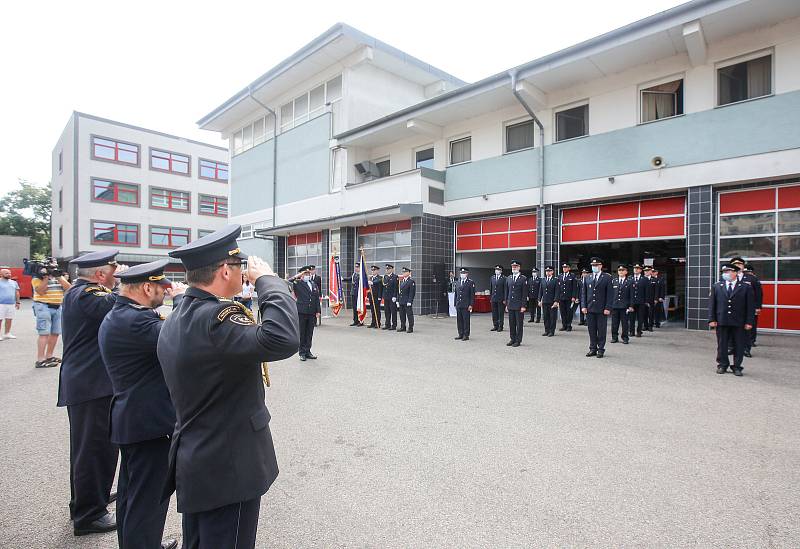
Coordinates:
138	190
671	141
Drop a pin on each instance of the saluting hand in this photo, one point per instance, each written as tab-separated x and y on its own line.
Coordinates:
712	325
121	268
178	288
748	326
256	268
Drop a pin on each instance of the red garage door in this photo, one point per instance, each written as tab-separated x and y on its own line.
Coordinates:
661	218
763	226
516	232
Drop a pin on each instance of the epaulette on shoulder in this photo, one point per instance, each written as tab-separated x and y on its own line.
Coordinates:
233	311
97	289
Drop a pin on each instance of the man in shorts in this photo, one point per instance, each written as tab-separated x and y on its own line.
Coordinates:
9	302
48	293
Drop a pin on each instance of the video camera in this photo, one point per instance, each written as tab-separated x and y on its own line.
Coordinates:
49	264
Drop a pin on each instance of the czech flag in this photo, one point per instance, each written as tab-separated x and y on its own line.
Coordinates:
363	290
335	295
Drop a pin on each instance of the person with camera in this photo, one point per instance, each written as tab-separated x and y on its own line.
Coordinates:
49	285
9	302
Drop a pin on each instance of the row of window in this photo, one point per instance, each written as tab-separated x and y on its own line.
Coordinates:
121	152
301	109
127	194
127	234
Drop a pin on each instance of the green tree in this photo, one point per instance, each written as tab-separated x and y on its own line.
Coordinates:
26	212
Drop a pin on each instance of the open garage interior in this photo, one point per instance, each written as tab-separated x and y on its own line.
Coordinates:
481	264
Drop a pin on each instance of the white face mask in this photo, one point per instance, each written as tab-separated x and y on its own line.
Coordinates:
534	275
306	277
595	268
727	276
463	276
515	271
498	272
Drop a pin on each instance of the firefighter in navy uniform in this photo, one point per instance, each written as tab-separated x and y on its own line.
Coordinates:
584	273
566	297
306	293
408	290
621	304
142	414
354	293
465	296
596	300
516	300
661	295
390	291
533	296
639	286
85	389
497	296
731	313
652	298
213	354
547	301
746	274
375	296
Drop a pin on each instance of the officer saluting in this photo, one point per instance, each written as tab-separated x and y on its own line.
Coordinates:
213	355
596	299
85	389
408	290
731	312
306	292
497	297
142	415
465	295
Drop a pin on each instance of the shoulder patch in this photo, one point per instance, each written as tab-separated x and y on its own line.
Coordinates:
237	314
97	290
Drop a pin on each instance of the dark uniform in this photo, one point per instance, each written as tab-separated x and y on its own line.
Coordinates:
639	287
567	294
652	298
497	296
533	296
547	297
579	282
661	294
390	291
596	298
142	415
307	295
731	306
354	295
465	295
408	289
620	303
85	389
758	302
375	296
318	281
516	299
212	352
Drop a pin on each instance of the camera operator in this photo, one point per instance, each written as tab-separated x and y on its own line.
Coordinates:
49	285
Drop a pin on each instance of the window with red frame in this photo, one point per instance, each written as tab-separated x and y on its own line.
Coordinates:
115	151
213	205
167	199
169	162
104	232
114	192
218	171
168	237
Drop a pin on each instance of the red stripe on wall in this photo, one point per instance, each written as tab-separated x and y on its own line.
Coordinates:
665	226
576	233
522	240
789	197
663	206
523	222
497	225
490	241
616	230
769	294
788	319
466	243
788	294
747	201
468	227
626	210
579	215
767	318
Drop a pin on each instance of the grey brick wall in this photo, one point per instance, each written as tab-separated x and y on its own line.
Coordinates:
431	244
700	269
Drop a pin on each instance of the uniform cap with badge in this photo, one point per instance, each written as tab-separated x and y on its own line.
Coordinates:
147	272
216	247
96	259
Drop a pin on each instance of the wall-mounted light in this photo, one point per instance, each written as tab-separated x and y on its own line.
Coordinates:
611	179
486	197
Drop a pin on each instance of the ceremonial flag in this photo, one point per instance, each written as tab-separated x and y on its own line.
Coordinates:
335	295
363	289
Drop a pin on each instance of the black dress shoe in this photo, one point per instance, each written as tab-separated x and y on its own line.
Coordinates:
459	337
615	340
515	344
393	329
500	329
493	330
551	334
747	354
466	338
169	544
410	331
721	370
531	320
581	324
600	354
638	335
402	329
112	497
624	341
385	328
538	322
545	334
737	372
509	344
754	344
562	329
106	523
309	356
569	328
591	353
303	358
372	326
354	324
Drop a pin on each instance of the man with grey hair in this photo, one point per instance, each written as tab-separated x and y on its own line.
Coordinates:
85	389
9	302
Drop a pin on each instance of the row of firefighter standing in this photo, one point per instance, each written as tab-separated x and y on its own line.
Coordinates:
635	303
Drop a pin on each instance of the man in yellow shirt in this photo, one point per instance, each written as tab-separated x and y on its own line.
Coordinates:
48	293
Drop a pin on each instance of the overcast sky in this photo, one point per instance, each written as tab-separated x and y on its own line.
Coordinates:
164	64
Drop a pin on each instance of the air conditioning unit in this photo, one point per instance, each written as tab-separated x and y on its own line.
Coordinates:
367	169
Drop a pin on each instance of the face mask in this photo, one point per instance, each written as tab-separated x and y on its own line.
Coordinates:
463	276
727	276
497	272
595	268
515	271
307	278
534	275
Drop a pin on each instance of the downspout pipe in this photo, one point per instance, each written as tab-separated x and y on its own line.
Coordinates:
538	123
274	152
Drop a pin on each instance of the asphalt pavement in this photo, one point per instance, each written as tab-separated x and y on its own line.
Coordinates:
417	440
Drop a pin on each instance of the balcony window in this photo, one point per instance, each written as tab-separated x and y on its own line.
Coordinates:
424	158
519	136
461	150
745	80
572	123
662	101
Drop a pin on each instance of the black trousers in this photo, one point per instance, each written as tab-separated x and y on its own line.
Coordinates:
140	512
659	315
375	314
307	323
637	318
232	526
598	326
516	320
727	337
576	306
619	316
355	311
391	313
462	321
752	334
406	316
651	314
550	317
536	311
565	306
498	314
92	460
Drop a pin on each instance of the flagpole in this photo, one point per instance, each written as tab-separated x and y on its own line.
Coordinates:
369	288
